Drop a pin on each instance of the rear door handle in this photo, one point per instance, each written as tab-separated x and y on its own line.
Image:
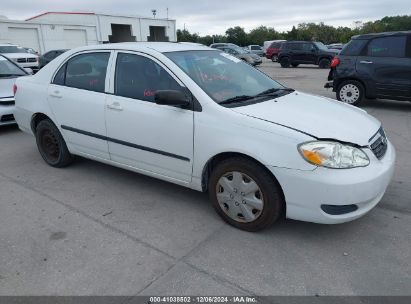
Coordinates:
115	106
366	62
56	94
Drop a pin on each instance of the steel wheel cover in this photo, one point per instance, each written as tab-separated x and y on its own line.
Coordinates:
240	197
349	93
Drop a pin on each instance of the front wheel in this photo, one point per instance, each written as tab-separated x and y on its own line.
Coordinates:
51	145
245	195
351	92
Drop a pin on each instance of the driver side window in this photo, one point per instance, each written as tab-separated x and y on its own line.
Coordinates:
139	77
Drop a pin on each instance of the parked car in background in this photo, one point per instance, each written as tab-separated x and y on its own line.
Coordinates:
335	46
20	55
373	66
218	45
268	43
209	122
9	71
49	56
273	50
255	49
242	54
294	53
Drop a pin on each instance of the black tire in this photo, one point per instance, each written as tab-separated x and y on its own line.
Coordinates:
324	63
294	65
271	193
354	86
285	62
51	145
274	58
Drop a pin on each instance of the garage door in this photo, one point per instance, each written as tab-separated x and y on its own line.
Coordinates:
75	38
27	37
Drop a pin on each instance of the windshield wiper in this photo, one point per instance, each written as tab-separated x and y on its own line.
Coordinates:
271	92
236	99
10	75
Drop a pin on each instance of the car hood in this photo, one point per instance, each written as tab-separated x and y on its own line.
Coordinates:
20	55
6	87
316	116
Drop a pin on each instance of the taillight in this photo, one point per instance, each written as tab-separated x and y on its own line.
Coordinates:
14	89
335	62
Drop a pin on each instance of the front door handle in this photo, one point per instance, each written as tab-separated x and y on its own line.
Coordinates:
115	106
366	62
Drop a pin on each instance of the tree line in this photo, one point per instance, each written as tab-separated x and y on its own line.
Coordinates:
304	31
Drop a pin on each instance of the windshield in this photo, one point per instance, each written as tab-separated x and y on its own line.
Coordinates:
224	77
8	69
12	49
321	46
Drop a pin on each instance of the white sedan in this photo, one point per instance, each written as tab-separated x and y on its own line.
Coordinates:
204	119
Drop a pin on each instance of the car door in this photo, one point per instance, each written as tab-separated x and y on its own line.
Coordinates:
77	99
310	53
385	67
296	52
156	139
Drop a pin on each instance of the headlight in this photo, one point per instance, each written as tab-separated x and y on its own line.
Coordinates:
331	154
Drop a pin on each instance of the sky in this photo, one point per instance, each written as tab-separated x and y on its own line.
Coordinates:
215	16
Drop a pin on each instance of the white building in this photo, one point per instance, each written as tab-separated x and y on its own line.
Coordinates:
66	30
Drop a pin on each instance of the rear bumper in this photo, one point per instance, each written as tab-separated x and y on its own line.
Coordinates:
306	192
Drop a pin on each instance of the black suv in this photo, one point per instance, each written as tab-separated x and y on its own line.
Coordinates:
373	66
293	53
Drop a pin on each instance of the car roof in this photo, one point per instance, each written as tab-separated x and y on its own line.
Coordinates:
161	47
384	34
292	41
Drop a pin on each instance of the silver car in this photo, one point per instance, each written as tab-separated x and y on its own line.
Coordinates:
9	71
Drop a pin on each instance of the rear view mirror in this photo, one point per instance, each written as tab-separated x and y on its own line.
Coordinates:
171	98
28	70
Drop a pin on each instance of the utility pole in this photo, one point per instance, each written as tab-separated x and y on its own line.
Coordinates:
154	11
167	13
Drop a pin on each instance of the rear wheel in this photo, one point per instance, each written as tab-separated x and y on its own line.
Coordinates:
285	62
245	195
51	145
274	58
324	63
351	92
294	65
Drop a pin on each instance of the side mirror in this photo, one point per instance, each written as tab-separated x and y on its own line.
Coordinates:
28	70
171	98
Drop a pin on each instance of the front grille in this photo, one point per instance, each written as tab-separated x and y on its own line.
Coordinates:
20	60
31	59
379	144
8	117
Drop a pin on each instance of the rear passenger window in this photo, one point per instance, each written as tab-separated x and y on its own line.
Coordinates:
387	47
295	46
354	47
85	71
139	77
